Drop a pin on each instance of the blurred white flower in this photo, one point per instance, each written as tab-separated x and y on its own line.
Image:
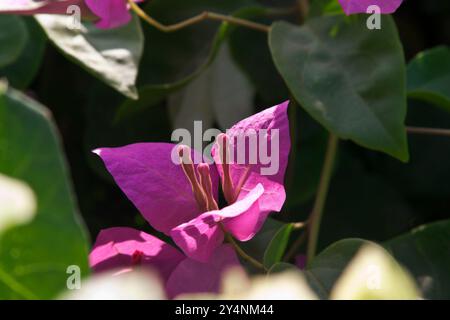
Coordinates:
374	274
288	285
136	285
17	203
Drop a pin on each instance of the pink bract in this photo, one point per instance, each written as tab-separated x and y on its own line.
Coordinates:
360	6
161	191
124	249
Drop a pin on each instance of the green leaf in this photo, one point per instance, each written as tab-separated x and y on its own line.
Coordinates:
13	37
429	77
23	70
348	78
112	55
277	246
424	251
257	247
34	257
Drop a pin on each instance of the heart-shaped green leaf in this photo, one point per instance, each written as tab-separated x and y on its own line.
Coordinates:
347	77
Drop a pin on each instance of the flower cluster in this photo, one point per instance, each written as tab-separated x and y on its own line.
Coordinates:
181	201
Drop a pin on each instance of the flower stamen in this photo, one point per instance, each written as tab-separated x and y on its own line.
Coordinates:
205	180
184	153
224	154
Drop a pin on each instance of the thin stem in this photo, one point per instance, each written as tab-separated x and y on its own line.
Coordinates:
295	246
206	15
279	11
429	131
243	254
303	8
322	192
240	251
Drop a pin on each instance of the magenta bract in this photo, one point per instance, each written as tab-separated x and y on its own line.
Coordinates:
169	199
361	6
124	249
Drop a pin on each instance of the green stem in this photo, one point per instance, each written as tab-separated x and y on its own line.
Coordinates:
322	192
206	15
243	254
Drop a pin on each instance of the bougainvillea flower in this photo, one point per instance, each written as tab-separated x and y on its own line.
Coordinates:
125	249
108	13
360	6
181	200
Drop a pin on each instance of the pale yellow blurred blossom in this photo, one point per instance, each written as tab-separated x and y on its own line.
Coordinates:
289	285
17	203
136	285
374	274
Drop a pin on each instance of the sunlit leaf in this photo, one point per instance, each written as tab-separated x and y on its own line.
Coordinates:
34	257
111	55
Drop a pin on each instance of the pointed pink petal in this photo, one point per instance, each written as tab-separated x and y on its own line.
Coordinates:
192	276
157	187
248	222
114	249
112	13
274	192
200	237
360	6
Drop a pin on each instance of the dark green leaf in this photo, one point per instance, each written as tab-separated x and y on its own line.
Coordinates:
34	257
326	267
425	252
22	72
258	245
349	78
13	37
277	246
429	77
